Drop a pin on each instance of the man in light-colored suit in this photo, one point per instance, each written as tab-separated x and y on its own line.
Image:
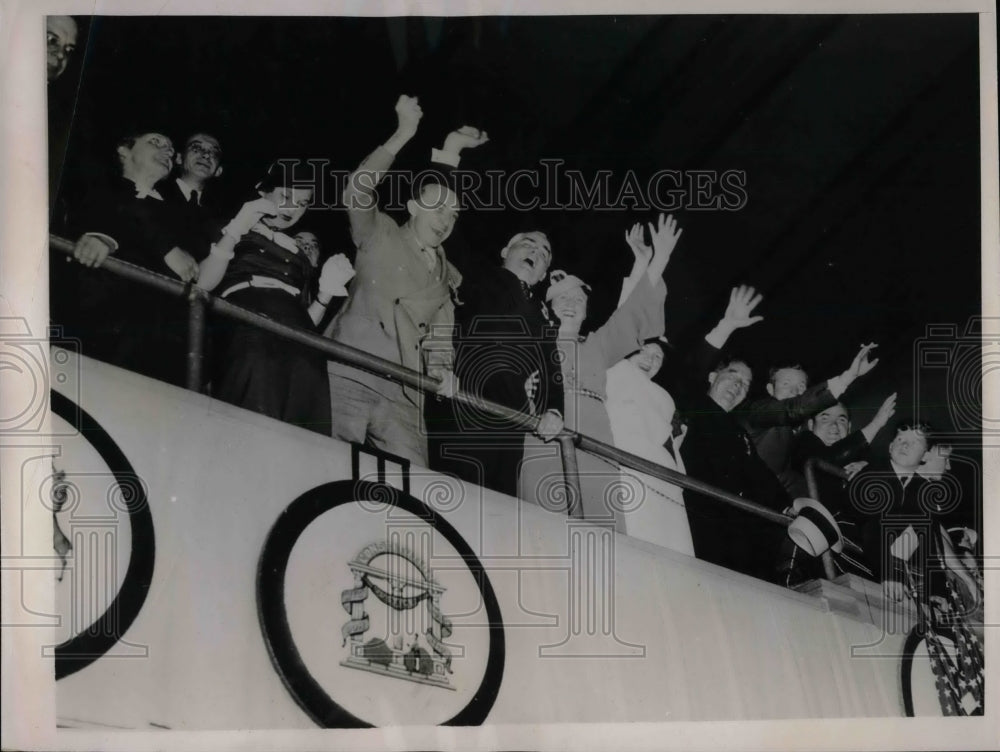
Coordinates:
400	297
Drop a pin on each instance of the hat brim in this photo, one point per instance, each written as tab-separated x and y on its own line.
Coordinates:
814	529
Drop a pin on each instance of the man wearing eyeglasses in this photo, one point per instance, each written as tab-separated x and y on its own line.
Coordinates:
198	165
60	41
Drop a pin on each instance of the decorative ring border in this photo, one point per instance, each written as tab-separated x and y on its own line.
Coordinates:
287	529
913	640
82	649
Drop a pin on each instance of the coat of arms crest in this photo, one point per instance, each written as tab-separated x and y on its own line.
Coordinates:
402	582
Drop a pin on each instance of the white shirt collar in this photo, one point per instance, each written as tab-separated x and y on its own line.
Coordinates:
187	190
901	473
152	193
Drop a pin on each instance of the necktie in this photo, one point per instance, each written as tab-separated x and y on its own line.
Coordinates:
429	258
193	198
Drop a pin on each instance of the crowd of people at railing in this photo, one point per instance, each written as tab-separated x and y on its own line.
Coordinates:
511	336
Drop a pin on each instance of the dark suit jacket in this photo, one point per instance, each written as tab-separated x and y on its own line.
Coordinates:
198	225
805	446
773	423
885	508
120	321
719	450
503	337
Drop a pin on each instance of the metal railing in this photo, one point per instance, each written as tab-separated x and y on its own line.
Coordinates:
200	300
809	470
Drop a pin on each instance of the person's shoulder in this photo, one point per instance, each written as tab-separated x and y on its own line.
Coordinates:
762	402
876	468
807	441
170	191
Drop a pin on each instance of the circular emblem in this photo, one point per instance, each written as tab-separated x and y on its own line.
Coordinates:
376	611
103	532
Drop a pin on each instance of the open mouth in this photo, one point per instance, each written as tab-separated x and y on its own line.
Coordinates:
530	262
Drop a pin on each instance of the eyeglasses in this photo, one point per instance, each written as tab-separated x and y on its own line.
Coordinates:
53	42
205	149
921	428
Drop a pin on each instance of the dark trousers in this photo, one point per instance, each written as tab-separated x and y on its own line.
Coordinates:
734	539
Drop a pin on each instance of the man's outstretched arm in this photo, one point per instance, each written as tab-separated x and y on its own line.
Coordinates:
359	195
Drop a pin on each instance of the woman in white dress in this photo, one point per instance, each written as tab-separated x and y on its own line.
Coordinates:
642	418
584	364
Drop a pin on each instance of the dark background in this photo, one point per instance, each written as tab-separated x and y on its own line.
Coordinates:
859	136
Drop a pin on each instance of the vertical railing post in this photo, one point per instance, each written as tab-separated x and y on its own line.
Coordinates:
571	476
195	338
827	558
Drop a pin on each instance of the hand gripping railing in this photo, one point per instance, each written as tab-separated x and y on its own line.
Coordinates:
199	300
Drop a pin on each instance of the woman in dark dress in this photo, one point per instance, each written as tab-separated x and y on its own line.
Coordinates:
257	266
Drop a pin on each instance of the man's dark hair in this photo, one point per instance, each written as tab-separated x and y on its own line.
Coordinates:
727	360
924	429
127	141
290	173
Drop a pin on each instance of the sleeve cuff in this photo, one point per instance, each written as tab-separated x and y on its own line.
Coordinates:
445	157
836	386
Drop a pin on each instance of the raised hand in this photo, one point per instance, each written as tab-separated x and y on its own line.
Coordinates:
742	301
861	364
664	236
886	410
250	214
408	114
466	137
336	273
634	237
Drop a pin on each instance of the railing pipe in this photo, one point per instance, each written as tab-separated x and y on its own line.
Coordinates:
196	338
809	470
571	476
394	372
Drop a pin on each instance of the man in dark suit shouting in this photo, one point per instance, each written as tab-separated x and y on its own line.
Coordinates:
506	353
